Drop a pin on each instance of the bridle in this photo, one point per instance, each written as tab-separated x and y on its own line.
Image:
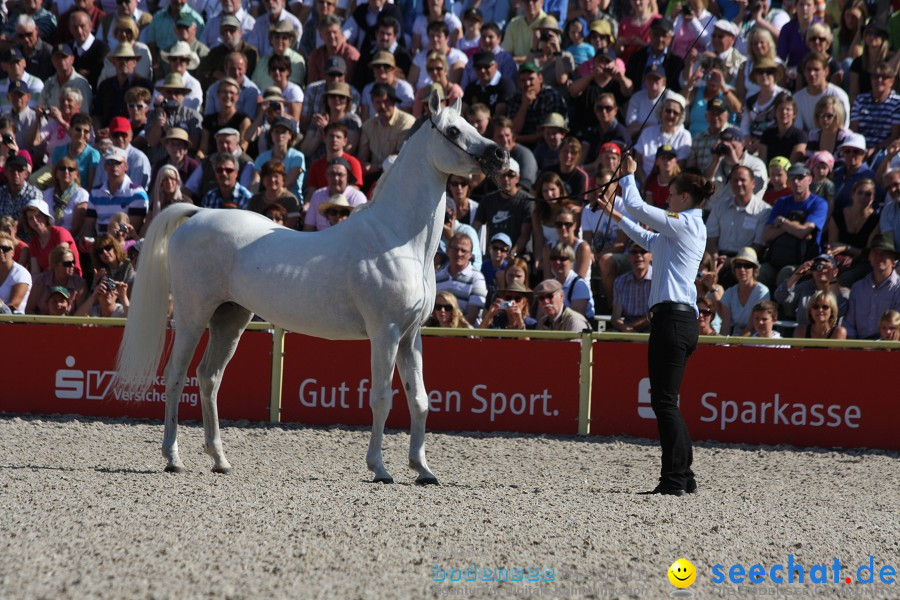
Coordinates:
481	161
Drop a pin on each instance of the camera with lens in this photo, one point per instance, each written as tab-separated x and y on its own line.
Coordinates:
753	6
505	304
545	36
8	139
170	107
275	106
720	149
819	267
108	282
687	9
448	216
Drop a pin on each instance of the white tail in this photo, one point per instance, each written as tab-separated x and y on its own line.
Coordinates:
145	330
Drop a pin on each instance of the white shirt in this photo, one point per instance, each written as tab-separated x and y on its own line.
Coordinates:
806	106
19	274
653	137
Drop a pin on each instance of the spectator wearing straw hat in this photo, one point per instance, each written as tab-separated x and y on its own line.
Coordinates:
170	111
314	99
383	67
336	209
176	145
555	63
109	100
282	38
554	130
232	38
275	12
875	293
511	309
125	31
182	60
340	181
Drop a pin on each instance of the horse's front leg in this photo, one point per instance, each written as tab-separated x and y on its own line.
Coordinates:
409	362
384	355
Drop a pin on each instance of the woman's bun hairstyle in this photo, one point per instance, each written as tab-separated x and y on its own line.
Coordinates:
696	186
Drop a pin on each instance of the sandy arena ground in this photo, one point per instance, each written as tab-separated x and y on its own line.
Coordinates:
86	512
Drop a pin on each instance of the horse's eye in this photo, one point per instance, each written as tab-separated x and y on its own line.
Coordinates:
453	132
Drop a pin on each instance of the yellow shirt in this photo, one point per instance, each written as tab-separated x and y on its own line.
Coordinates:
519	33
384	140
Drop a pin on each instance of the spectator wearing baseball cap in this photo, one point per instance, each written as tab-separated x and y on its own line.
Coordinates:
138	167
556	315
22	115
818	274
854	168
606	128
17	192
724	35
116	192
542	100
314	95
64	74
14	65
507	210
489	86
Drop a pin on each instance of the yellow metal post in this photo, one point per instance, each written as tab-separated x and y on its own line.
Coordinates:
584	392
277	375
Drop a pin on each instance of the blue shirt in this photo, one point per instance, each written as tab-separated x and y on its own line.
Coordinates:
814	207
677	249
239	199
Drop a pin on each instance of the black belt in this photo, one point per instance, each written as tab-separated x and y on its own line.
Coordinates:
667	308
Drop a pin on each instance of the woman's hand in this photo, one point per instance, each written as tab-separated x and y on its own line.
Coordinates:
629	164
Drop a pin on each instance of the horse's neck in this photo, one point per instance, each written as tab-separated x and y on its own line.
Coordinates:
411	195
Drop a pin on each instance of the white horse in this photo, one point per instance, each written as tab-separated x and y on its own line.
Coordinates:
372	277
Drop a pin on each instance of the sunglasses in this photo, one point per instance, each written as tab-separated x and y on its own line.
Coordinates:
68	263
443	307
637	251
6	249
335	212
514	297
882	77
604	108
770	72
459	184
67	169
743	265
821	307
559	258
106	248
827	116
705	312
564	224
499	249
224	170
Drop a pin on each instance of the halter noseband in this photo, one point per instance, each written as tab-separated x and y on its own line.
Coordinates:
481	161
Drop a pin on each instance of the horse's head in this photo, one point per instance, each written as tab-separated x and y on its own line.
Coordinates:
465	151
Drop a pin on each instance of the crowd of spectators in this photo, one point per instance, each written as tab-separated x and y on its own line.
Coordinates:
111	110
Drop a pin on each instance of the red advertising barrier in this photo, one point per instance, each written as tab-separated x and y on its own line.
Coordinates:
63	369
526	386
756	395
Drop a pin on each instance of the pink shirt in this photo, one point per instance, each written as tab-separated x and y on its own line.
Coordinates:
627	29
58	235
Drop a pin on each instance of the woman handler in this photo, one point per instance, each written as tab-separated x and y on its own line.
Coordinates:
677	251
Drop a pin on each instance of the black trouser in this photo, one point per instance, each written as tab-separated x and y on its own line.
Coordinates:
673	337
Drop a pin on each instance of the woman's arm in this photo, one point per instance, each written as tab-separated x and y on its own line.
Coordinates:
17	295
583	260
36	291
725	314
35	268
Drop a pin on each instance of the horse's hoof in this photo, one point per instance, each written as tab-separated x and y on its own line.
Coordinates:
222	470
383	480
175	469
427	480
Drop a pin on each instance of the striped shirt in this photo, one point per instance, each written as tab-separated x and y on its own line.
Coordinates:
468	286
875	119
104	203
633	294
238	198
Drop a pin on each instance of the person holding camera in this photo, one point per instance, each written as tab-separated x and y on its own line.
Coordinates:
170	112
817	275
692	22
109	299
556	65
727	154
511	309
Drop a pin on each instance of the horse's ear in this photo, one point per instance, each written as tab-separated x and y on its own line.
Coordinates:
434	101
457	105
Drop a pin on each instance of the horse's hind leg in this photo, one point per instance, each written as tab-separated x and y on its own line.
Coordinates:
409	362
380	401
225	329
186	338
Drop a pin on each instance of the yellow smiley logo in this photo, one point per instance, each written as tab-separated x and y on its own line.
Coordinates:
682	573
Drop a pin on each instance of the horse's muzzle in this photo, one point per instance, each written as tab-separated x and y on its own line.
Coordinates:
494	159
